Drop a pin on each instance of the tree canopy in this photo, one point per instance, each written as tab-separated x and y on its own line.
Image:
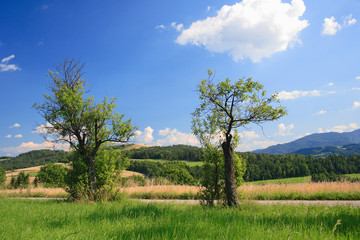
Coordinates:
226	106
73	118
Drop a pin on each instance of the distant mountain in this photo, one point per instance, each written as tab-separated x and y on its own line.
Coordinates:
316	140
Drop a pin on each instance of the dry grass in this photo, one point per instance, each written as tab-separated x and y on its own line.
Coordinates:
161	189
126	174
34	191
303	187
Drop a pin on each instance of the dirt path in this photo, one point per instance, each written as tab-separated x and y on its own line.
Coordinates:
292	202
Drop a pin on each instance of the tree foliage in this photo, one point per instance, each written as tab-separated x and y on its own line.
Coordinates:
2	176
224	107
73	118
22	180
52	175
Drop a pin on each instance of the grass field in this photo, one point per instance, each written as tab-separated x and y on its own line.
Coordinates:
27	219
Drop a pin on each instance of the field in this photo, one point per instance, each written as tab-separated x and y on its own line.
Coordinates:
28	219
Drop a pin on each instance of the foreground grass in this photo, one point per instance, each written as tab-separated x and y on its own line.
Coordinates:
26	219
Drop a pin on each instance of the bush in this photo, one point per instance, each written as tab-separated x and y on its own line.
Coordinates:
51	175
20	181
2	176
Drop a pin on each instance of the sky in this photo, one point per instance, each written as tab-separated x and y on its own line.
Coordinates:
152	54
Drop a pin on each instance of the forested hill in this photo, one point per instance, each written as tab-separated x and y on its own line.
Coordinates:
175	152
345	150
313	141
34	158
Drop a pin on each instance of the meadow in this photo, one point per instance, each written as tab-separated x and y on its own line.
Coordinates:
28	219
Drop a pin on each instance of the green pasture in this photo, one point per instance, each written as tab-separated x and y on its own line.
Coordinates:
29	219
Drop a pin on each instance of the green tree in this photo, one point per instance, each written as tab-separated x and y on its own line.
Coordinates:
2	176
225	107
78	120
22	180
52	175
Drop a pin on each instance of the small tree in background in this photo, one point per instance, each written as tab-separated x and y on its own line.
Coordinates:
2	176
85	125
22	180
51	175
225	107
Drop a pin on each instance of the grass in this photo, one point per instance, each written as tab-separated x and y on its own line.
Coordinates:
293	180
26	219
189	163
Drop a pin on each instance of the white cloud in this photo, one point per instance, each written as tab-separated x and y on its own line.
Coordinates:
355	88
330	26
16	125
340	128
179	27
208	8
248	135
18	136
284	95
145	136
349	20
284	130
249	29
321	112
356	105
174	136
42	128
29	146
162	27
8	136
4	66
358	77
255	145
331	84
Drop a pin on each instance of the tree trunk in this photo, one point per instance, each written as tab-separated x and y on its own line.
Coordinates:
92	177
232	197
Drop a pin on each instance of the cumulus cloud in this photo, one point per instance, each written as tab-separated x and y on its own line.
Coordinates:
249	29
8	136
284	95
161	27
5	66
321	112
42	129
358	77
145	136
179	27
331	26
356	105
340	128
16	125
174	136
284	130
18	136
331	84
255	145
248	135
29	146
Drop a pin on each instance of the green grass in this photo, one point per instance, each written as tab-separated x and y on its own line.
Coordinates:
353	175
293	180
25	219
190	163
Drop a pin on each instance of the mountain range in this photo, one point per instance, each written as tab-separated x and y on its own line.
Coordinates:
317	143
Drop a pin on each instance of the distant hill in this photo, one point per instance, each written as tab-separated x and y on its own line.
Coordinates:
317	140
34	158
345	150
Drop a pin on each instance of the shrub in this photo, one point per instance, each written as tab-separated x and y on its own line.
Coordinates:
20	181
2	176
51	175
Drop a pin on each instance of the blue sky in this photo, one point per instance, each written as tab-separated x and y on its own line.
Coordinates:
152	54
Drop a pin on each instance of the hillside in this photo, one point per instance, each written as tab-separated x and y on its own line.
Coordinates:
34	158
345	150
317	140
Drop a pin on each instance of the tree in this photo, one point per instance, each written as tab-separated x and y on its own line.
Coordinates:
225	107
52	175
2	176
75	119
